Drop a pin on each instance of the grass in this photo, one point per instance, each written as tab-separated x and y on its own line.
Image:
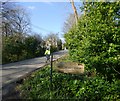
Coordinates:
40	80
67	86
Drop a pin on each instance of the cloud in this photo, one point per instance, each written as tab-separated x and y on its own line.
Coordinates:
48	2
31	7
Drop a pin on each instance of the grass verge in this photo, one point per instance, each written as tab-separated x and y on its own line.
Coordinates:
68	86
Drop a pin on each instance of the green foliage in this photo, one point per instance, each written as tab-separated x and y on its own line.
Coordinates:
33	47
17	44
59	44
12	48
95	40
17	47
99	89
66	86
53	49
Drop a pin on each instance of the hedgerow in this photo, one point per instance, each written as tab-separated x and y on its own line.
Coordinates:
95	40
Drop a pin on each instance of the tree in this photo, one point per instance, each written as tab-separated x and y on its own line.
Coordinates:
69	23
15	24
95	40
59	44
12	49
72	19
53	41
14	19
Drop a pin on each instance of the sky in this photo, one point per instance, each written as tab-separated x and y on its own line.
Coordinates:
48	17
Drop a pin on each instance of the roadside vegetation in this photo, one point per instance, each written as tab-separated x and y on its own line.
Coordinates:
95	42
69	86
19	42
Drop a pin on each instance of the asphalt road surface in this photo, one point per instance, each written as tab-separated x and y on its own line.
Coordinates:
13	71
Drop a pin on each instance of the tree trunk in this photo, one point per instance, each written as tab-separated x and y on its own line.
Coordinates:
75	11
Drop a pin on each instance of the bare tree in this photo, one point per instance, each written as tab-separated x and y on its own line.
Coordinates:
68	24
14	19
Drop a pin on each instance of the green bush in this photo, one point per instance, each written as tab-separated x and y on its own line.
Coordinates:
67	86
97	89
12	49
18	47
53	49
95	40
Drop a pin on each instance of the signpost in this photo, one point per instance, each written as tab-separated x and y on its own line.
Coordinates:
51	66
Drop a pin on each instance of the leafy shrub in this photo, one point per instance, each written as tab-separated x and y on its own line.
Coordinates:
12	49
18	47
99	89
67	86
95	40
53	49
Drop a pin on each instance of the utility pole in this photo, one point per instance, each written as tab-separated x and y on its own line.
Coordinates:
75	11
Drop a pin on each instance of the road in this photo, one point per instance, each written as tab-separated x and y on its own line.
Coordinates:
13	71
